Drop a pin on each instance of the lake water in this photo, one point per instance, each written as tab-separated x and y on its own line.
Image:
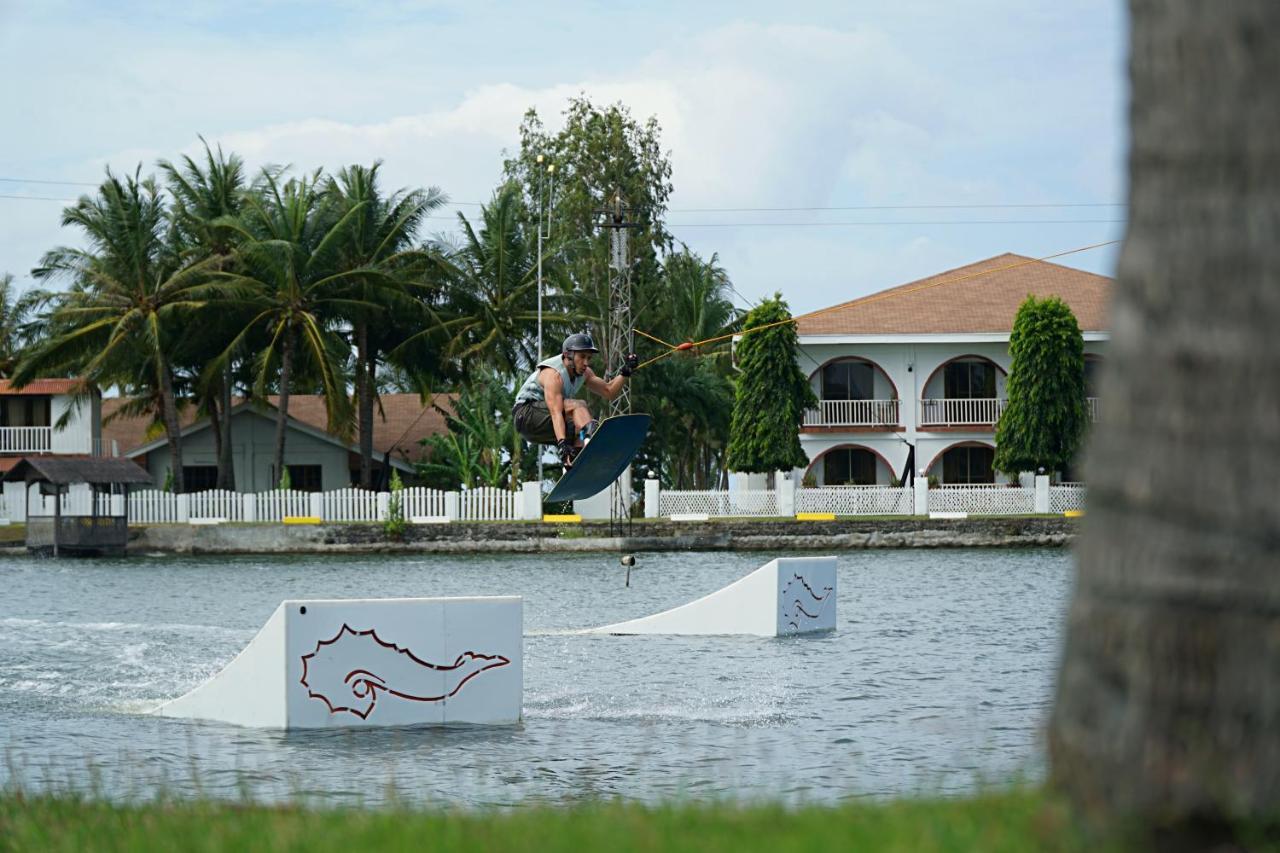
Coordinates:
938	680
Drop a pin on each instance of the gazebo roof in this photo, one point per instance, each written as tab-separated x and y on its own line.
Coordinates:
63	470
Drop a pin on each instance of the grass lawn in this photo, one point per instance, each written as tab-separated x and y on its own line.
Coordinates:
1017	820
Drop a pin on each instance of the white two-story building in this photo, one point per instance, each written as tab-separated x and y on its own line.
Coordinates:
51	416
911	380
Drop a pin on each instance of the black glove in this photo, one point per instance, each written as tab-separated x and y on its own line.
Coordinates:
566	451
630	362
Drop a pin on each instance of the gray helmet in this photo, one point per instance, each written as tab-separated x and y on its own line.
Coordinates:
578	342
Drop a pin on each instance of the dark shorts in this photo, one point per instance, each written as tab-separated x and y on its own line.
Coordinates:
533	421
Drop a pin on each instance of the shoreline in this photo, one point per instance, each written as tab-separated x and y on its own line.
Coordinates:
648	535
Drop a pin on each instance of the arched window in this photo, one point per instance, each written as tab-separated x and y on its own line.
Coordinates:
969	379
968	464
849	466
848	380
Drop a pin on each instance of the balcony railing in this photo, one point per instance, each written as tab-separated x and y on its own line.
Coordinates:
1092	403
979	411
26	439
859	413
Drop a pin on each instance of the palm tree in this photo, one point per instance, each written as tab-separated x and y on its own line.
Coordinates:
131	295
287	274
492	287
1167	708
208	200
17	312
380	242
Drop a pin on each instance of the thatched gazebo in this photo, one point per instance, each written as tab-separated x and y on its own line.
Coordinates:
88	527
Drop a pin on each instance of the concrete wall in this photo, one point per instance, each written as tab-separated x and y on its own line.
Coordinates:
253	438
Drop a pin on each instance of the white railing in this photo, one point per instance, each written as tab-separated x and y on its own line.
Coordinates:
881	413
978	411
489	504
1092	403
26	439
982	499
1066	496
723	503
857	500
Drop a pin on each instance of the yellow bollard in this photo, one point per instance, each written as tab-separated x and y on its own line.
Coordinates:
815	516
562	519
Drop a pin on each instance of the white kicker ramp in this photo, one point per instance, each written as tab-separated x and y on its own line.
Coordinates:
372	662
790	595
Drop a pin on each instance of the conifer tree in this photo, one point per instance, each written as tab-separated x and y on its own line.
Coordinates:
1043	423
771	396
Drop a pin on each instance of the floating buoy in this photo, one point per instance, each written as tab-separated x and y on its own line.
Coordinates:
628	561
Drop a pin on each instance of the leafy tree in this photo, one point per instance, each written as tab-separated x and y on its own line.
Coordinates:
772	394
689	394
379	244
132	294
1043	423
601	154
208	200
481	446
288	275
17	312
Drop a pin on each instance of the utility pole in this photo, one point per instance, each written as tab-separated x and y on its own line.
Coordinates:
550	174
619	339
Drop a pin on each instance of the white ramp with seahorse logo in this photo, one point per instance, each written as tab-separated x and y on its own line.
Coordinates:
789	595
371	662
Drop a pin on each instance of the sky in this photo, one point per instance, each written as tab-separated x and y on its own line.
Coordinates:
821	150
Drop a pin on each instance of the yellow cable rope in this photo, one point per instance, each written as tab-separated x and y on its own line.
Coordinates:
862	300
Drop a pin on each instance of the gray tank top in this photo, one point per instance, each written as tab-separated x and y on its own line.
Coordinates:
532	388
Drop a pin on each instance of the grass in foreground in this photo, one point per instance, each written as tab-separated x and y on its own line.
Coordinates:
1019	820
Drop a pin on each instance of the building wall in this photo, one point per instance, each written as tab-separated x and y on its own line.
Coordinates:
83	425
253	438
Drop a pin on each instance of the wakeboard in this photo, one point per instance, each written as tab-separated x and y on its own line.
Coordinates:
605	457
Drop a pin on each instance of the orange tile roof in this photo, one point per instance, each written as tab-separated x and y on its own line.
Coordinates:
402	420
980	297
44	386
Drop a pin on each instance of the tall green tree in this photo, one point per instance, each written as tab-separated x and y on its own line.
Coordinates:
689	394
288	275
207	203
380	246
1043	424
17	313
772	393
603	153
481	447
1167	713
132	294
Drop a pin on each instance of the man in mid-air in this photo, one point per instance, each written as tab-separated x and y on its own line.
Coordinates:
546	411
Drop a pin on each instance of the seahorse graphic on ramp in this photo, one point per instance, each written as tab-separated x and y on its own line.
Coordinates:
352	669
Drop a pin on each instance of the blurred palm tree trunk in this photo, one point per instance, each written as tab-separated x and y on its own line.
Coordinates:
1168	702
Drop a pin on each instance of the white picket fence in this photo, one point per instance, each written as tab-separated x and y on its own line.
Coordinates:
487	503
857	500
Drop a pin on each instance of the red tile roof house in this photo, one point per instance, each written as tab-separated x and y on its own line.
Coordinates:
923	366
317	459
29	418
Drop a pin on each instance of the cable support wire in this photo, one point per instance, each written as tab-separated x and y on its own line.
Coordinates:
862	300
